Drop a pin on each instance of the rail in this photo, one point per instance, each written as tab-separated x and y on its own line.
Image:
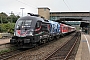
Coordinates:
63	52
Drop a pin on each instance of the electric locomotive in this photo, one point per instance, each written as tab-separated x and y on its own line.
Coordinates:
30	30
54	29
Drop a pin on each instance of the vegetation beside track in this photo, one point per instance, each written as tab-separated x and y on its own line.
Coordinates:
7	27
7	49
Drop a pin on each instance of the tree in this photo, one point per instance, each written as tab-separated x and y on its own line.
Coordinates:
7	27
8	22
13	18
3	17
3	14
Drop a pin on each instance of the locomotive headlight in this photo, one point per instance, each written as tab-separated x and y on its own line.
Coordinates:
31	33
32	29
14	34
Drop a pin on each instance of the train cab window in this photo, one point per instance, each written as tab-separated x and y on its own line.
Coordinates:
24	23
28	22
38	24
18	24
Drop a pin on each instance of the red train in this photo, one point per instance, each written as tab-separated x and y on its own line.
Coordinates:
66	28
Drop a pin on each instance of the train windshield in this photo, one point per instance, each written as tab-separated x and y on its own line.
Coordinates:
24	23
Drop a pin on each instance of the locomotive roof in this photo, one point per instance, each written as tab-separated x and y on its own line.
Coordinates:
52	22
32	18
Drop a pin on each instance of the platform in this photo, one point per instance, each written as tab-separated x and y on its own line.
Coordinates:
83	52
3	41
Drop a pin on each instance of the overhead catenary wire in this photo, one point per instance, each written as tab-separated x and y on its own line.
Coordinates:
35	6
69	5
30	5
26	4
66	5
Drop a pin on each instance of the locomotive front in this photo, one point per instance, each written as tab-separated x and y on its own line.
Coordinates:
24	32
23	28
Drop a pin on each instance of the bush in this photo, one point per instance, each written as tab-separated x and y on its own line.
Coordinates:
8	27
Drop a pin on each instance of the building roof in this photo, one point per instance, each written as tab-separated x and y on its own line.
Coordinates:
43	8
67	12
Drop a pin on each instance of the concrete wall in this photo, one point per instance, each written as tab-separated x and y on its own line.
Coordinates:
45	12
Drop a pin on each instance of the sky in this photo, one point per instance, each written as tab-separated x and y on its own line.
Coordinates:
31	6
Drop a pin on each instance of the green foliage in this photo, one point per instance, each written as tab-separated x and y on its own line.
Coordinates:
7	50
3	14
8	27
4	51
7	22
4	18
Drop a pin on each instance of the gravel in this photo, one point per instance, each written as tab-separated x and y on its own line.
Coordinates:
42	52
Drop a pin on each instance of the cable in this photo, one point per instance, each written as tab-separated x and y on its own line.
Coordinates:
69	5
66	5
26	4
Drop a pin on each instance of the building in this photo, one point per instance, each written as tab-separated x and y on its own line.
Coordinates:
72	18
45	12
69	16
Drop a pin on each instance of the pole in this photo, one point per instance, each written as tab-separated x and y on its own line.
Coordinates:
11	16
89	24
22	11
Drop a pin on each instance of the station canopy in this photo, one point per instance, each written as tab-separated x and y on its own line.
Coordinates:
84	21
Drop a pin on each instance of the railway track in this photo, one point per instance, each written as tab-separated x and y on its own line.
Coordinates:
9	54
35	53
63	53
7	50
6	46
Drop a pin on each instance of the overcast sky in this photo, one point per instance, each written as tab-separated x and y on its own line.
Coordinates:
31	5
